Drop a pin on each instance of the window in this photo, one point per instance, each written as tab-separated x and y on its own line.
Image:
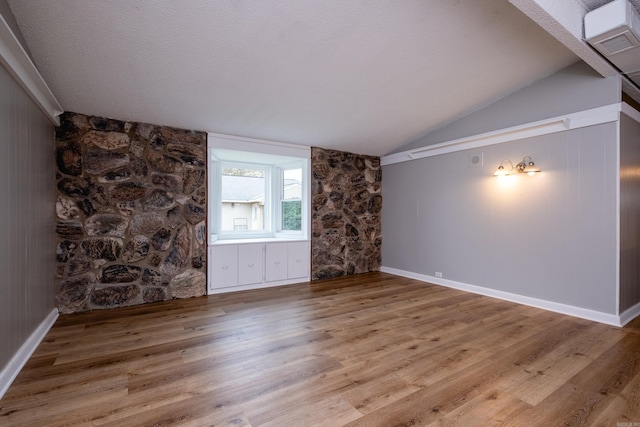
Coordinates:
291	200
243	197
256	195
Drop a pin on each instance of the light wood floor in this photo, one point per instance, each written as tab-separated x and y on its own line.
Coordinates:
367	350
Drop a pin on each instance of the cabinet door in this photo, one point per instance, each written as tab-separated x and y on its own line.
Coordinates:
223	266
276	262
250	264
298	260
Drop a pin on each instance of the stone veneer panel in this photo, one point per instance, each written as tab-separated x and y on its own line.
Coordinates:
130	213
345	224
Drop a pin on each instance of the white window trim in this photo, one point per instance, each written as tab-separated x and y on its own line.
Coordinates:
278	198
255	149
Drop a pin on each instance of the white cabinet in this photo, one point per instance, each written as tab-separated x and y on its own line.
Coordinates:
250	264
223	266
239	266
297	260
276	262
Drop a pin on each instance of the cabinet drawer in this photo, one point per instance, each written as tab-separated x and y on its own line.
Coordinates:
276	262
298	260
223	266
250	264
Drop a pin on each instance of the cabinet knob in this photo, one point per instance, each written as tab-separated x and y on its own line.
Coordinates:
250	265
276	262
298	260
225	267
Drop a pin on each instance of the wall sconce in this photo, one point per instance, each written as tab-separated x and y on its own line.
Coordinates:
525	166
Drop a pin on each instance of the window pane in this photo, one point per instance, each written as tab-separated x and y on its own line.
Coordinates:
243	196
292	200
292	215
292	184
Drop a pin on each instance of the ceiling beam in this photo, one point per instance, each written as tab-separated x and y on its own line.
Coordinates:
564	21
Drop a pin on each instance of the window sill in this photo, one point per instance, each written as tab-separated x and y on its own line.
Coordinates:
259	240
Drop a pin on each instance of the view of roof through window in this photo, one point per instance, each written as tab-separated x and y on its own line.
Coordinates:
243	198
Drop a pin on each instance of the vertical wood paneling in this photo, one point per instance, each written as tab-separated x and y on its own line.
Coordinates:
27	216
551	236
629	212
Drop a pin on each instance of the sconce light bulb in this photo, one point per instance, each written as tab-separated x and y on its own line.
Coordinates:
531	169
501	171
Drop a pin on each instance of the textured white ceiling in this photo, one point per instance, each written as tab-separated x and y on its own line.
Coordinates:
362	76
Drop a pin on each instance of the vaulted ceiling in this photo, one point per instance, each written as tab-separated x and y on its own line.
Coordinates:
359	75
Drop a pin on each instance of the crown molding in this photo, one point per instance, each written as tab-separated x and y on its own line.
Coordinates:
16	60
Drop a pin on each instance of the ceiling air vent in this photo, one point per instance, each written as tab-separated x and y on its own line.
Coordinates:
614	30
618	43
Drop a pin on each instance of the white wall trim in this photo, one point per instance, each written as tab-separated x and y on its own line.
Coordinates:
629	314
240	143
583	313
618	143
17	362
16	60
594	116
262	285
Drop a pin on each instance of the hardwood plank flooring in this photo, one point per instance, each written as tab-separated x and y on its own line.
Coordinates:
366	350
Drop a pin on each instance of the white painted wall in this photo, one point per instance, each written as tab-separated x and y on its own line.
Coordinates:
551	236
28	111
27	247
549	240
629	210
576	88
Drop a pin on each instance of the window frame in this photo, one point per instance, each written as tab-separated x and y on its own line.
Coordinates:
278	157
278	196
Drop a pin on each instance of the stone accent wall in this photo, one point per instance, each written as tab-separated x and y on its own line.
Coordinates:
346	202
131	216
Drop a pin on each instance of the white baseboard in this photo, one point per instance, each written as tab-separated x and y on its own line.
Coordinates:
583	313
629	314
17	362
213	291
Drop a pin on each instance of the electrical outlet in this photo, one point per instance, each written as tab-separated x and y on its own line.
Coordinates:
438	274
